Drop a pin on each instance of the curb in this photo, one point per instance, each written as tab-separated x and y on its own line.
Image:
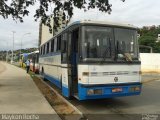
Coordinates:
78	111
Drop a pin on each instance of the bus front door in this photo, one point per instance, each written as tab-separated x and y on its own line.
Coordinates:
72	63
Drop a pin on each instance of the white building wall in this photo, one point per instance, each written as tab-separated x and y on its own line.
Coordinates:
150	62
45	33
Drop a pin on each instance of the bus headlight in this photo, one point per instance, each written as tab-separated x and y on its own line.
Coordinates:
94	92
98	91
135	89
90	92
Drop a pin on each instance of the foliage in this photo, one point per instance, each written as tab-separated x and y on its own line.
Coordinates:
149	37
16	53
19	8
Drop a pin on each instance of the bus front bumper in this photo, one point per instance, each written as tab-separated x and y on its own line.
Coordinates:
108	90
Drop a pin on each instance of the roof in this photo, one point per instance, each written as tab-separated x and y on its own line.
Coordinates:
104	23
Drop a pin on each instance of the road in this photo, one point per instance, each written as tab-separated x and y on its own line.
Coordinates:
125	108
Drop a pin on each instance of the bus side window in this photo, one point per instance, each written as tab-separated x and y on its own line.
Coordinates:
47	48
58	43
55	44
64	47
40	50
44	49
52	45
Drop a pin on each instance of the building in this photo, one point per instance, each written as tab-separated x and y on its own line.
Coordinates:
45	34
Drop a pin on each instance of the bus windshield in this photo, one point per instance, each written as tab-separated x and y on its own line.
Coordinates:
126	43
96	41
108	42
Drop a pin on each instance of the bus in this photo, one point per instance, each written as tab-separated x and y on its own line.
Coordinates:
23	59
93	60
34	61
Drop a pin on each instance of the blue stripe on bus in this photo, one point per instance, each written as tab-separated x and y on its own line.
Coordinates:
53	80
56	81
106	92
65	91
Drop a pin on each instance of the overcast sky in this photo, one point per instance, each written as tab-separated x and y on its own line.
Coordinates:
137	12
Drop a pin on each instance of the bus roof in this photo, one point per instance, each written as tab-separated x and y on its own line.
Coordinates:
107	23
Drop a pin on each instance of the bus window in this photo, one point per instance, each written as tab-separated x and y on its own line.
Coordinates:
47	48
59	43
41	51
44	50
64	47
55	44
52	45
97	42
126	43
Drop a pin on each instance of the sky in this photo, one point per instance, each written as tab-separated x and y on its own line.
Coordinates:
136	12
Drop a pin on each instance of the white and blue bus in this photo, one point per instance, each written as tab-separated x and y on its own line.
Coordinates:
93	60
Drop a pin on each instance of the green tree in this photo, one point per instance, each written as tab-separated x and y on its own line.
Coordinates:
20	8
149	38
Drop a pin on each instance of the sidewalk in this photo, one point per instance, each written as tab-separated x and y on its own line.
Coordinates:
20	95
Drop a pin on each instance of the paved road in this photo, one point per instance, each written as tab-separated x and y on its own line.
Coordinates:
20	95
136	106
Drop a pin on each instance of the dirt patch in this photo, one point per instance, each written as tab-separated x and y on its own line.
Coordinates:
65	111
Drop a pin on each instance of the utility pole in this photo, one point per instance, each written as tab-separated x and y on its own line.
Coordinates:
13	47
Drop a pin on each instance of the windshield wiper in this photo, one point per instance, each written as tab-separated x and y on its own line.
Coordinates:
127	56
108	49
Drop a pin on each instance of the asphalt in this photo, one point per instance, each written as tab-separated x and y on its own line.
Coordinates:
142	107
20	95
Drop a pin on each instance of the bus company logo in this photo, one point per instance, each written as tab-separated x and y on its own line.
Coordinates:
116	79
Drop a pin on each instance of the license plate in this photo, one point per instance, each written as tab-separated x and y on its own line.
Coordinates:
117	90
